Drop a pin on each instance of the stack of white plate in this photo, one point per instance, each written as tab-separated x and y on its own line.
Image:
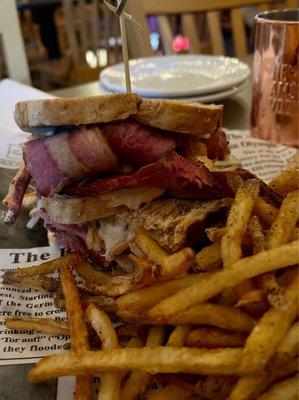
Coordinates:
199	78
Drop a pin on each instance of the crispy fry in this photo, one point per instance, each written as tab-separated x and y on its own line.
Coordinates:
45	325
287	349
151	360
247	388
170	265
138	382
269	331
236	226
214	387
214	337
265	211
133	303
39	282
77	326
267	281
283	226
214	233
110	381
286	182
45	268
208	287
150	247
257	235
101	283
215	315
209	257
171	392
286	390
254	302
178	336
237	222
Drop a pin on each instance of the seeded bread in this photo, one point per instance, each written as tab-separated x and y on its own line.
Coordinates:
180	116
76	111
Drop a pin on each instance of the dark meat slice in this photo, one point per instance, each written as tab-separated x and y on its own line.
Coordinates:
16	193
217	145
57	161
71	229
138	144
180	176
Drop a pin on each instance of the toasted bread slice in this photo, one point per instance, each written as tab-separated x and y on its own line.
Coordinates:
76	111
180	116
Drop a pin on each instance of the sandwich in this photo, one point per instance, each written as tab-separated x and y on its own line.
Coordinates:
104	165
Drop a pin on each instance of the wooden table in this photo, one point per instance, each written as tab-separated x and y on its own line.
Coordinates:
236	107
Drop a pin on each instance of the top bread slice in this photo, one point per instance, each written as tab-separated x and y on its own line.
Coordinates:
180	116
75	111
171	115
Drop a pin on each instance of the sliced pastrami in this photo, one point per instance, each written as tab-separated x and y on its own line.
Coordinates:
138	144
217	145
183	178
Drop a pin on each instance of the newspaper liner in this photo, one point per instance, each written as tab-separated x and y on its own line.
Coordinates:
264	159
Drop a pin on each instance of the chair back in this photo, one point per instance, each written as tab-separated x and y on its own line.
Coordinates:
12	49
189	9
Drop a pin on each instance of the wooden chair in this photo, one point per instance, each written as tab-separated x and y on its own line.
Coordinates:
12	45
82	31
139	40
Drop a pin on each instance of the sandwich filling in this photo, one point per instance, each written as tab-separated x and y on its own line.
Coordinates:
86	174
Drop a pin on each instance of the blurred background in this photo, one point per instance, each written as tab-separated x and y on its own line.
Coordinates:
68	42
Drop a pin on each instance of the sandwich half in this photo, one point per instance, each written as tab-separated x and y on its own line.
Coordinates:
104	165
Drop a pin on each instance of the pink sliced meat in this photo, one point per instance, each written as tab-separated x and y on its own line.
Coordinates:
57	161
72	229
138	144
217	145
180	176
16	193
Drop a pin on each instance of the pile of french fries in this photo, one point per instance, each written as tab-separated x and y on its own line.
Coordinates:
219	324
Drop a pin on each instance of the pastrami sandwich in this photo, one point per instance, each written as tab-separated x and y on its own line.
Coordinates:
102	165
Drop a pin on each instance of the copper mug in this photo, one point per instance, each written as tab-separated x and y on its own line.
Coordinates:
274	113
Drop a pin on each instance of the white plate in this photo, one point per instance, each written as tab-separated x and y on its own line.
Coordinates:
210	98
177	76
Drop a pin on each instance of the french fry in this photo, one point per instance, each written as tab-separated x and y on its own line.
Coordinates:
171	392
286	182
138	382
249	387
237	222
265	211
135	302
236	226
152	360
286	390
214	387
45	268
178	336
254	302
77	327
287	349
209	257
214	337
208	287
269	331
268	282
111	381
215	233
282	228
170	265
216	315
39	282
101	283
45	325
